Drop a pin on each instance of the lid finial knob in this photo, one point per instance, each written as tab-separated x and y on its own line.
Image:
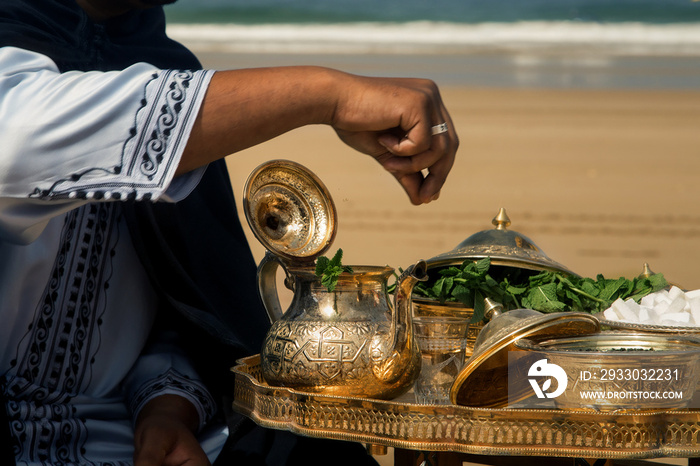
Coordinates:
646	271
501	221
492	309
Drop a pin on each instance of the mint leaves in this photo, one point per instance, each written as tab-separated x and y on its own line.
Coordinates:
330	269
544	291
586	294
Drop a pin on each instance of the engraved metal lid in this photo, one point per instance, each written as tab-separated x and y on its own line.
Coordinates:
290	210
504	247
483	381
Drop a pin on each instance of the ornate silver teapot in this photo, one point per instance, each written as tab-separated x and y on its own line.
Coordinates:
347	341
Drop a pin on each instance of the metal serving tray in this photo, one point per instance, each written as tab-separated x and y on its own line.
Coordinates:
406	425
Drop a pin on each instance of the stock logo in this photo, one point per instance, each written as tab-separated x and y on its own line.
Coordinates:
544	370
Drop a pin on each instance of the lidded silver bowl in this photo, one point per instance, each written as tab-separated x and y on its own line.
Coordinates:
503	246
508	251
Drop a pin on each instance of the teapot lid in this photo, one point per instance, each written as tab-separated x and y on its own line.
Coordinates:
483	381
289	210
502	246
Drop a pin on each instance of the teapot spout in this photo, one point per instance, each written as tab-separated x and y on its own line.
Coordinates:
396	357
403	309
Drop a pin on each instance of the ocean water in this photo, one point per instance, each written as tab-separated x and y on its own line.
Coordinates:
584	43
457	11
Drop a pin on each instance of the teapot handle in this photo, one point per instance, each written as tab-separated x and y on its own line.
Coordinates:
267	285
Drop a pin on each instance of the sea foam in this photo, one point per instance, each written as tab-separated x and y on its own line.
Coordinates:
439	37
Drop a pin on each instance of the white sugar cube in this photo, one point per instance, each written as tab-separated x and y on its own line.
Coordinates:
624	310
675	292
695	310
632	306
644	316
648	300
661	297
676	305
675	318
661	307
654	317
611	314
664	307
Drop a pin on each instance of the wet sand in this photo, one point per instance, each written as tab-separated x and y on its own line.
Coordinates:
602	181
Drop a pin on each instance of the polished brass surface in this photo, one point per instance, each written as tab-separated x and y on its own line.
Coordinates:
483	381
646	271
289	210
623	353
484	431
492	309
347	341
505	247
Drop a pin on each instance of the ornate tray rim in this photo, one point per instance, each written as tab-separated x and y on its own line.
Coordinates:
541	432
621	325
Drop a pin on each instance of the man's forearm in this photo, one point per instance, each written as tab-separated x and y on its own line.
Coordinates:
243	108
390	119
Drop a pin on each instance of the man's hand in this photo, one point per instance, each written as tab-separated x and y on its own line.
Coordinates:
164	434
391	120
387	118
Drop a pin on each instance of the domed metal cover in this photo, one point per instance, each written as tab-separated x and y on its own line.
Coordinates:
503	246
483	381
289	210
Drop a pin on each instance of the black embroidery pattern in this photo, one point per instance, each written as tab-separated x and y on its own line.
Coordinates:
143	152
172	380
56	354
165	122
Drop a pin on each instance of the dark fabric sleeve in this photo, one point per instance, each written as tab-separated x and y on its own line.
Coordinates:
198	256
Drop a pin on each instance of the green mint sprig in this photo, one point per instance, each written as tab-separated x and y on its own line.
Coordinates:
545	291
330	269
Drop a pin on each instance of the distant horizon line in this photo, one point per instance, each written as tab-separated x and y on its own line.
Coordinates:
630	38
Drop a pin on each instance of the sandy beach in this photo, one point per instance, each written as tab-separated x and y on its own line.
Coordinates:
602	179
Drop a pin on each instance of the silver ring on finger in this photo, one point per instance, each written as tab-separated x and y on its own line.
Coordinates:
439	129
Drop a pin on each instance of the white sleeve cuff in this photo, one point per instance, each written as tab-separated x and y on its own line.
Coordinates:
150	156
181	187
174	383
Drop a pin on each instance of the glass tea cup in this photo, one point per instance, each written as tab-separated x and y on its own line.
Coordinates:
442	341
